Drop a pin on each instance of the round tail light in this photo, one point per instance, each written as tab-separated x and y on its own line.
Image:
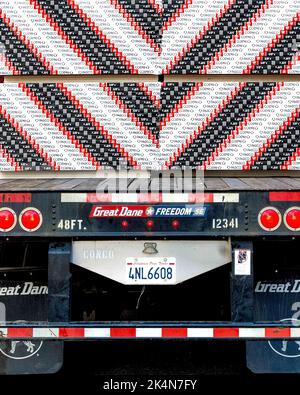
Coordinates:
292	218
269	218
8	219
31	219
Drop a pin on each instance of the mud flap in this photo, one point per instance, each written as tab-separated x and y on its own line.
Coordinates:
27	301
276	301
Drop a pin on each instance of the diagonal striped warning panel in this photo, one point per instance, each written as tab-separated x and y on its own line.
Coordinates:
173	9
146	18
280	150
211	40
225	37
79	126
82	128
232	126
225	121
22	152
19	54
83	36
138	104
279	55
203	125
174	96
149	37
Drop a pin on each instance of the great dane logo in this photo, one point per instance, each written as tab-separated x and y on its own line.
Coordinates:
30	346
20	349
285	345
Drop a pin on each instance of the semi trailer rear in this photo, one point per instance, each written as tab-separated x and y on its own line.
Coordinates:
136	270
149	177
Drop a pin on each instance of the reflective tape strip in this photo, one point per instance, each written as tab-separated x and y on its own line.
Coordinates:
73	198
3	332
175	197
201	198
174	332
46	333
124	197
295	332
226	198
148	332
284	196
16	333
81	333
251	332
278	332
97	332
123	332
200	332
150	198
77	333
226	332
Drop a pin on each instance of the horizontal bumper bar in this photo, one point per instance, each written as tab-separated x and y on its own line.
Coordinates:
148	332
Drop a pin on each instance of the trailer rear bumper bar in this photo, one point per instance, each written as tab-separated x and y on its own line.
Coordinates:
230	331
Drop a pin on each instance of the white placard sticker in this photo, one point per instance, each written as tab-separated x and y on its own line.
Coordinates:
242	262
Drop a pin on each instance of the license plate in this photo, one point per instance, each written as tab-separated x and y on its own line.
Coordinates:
159	271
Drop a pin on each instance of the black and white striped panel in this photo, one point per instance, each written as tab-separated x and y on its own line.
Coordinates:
234	126
233	37
82	127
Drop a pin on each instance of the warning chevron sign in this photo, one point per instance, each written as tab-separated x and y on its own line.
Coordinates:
233	36
200	125
231	126
149	36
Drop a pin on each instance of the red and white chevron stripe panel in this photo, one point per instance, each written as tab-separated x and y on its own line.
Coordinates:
232	36
74	126
200	125
149	36
80	36
231	126
149	333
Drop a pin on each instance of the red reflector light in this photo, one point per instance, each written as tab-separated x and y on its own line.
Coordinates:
150	224
269	218
124	224
175	224
292	218
8	219
31	219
